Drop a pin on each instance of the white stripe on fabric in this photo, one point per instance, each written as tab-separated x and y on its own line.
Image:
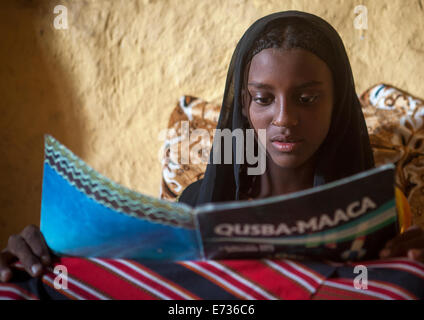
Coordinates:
16	291
131	279
244	281
304	271
407	260
289	274
219	279
402	266
368	292
391	289
155	279
91	291
68	291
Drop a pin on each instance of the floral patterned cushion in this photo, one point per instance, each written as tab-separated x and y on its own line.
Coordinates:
189	114
395	121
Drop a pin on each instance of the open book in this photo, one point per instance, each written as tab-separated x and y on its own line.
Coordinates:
86	214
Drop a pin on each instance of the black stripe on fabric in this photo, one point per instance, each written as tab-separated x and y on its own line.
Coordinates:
54	294
403	279
189	280
323	269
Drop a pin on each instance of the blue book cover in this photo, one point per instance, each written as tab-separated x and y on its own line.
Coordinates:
83	213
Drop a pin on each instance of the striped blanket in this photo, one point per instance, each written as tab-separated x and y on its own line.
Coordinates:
93	278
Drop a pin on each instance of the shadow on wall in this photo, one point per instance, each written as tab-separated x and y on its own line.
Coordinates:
36	98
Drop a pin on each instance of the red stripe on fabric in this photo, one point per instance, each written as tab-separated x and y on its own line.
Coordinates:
311	281
74	287
167	281
21	290
10	295
145	280
79	290
326	292
288	272
206	276
69	292
257	287
395	290
123	288
79	276
231	280
268	278
372	288
106	282
312	271
406	294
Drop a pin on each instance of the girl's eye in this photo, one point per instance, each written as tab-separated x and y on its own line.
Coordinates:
263	101
303	99
307	99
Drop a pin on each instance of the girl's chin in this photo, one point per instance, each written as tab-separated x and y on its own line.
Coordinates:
287	160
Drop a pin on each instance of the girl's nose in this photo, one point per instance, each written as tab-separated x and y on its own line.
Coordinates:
284	115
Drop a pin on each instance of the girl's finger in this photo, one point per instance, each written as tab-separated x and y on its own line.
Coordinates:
36	242
416	254
400	249
19	248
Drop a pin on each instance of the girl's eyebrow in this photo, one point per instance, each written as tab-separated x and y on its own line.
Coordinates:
260	85
304	85
310	84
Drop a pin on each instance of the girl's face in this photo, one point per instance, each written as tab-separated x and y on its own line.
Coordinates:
292	98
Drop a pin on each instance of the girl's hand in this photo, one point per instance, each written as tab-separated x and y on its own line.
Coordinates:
408	244
30	248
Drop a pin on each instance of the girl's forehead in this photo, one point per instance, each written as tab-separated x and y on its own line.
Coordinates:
276	64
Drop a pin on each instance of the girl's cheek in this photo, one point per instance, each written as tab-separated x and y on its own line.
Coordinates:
255	122
260	120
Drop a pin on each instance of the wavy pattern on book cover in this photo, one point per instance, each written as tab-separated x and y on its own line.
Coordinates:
109	193
86	214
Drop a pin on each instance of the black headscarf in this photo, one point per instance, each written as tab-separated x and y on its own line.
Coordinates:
345	151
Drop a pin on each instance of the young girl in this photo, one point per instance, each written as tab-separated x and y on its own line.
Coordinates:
289	75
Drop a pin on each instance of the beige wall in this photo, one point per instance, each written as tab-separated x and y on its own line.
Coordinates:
106	86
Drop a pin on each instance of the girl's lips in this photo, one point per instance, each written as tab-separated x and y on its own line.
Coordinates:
286	146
